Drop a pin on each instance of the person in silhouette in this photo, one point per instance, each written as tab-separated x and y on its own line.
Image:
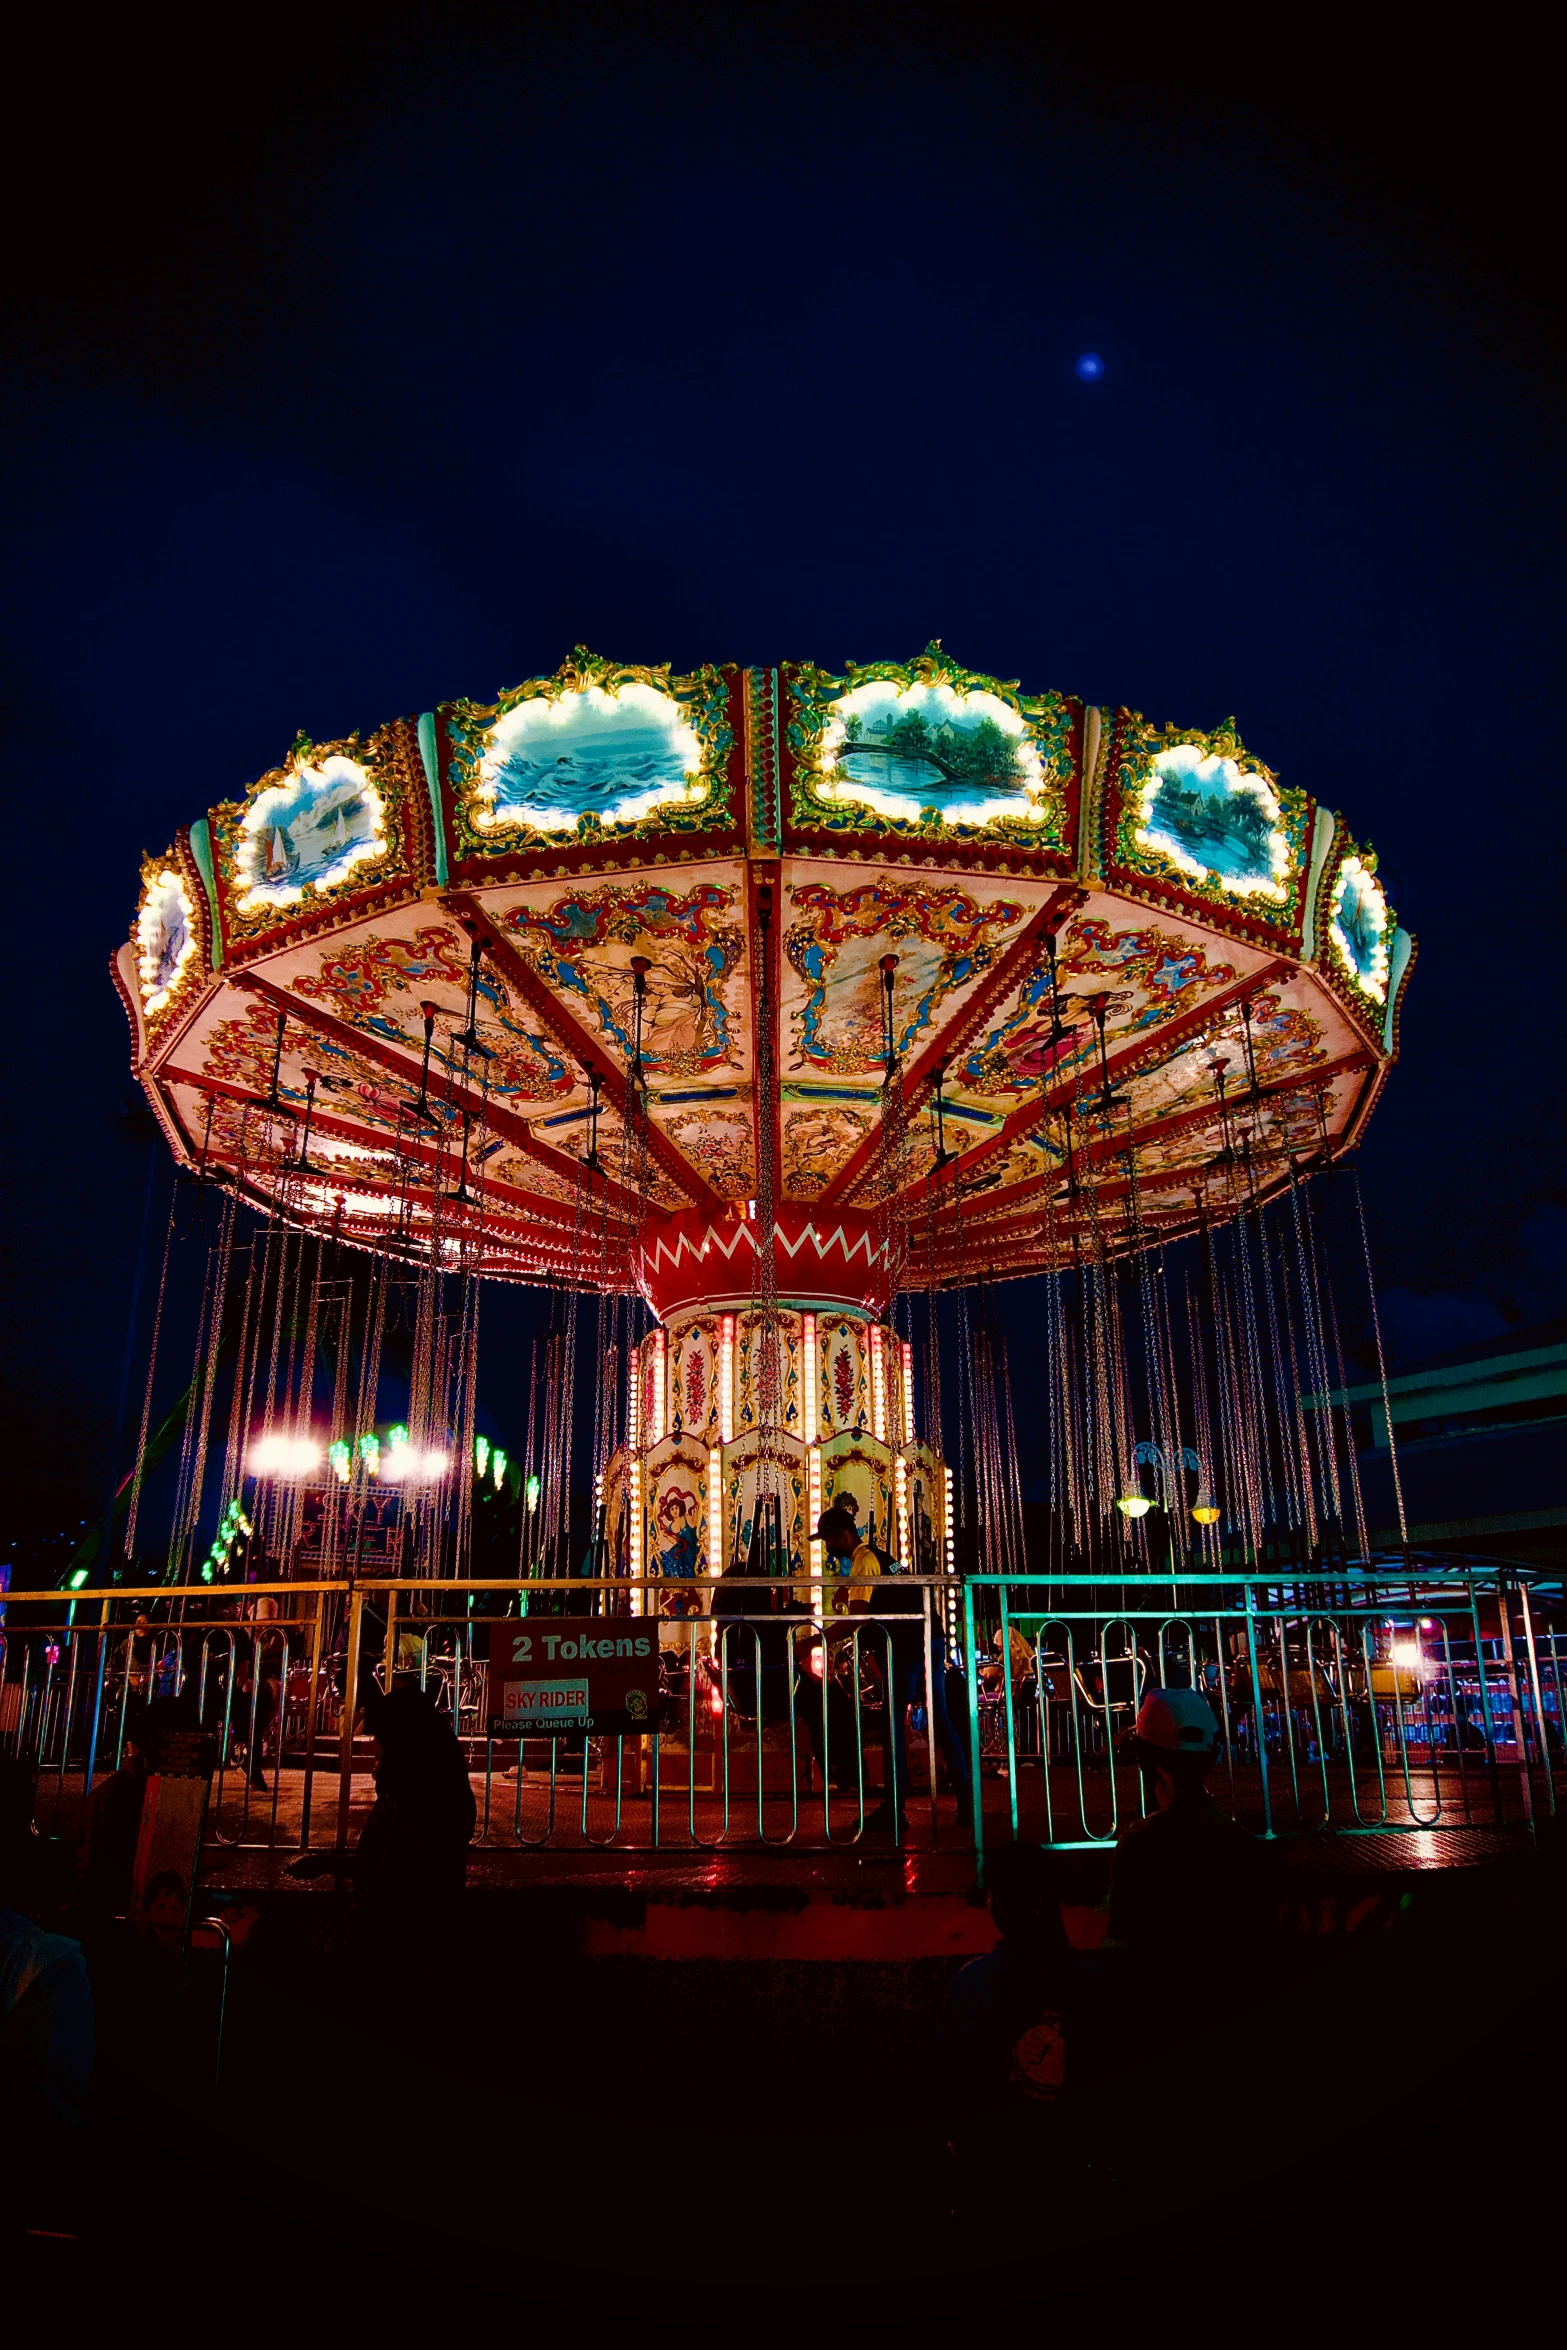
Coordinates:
769	1667
412	1853
877	1586
1188	1893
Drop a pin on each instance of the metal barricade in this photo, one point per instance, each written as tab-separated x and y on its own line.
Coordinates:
1379	1706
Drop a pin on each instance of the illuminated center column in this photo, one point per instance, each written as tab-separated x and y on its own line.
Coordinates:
842	1432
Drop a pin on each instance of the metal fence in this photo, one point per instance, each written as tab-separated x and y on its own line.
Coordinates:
1345	1704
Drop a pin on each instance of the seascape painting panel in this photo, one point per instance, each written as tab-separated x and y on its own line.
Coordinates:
309	832
615	756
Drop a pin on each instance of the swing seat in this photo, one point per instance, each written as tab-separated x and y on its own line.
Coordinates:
1116	1682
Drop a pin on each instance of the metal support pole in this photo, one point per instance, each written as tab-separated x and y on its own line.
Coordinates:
97	1697
1486	1715
1525	1782
345	1747
1006	1699
927	1597
312	1717
973	1729
1256	1709
1542	1726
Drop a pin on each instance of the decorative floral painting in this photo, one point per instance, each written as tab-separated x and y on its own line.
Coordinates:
719	1144
844	1400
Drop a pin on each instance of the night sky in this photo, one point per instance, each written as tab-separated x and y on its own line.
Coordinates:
371	366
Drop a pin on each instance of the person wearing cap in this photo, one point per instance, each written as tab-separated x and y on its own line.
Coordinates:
902	1644
1188	1882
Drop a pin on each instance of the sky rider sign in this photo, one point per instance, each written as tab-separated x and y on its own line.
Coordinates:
552	1675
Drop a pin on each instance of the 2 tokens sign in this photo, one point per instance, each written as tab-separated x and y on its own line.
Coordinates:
593	1675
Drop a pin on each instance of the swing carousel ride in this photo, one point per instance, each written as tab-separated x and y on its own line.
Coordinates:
763	999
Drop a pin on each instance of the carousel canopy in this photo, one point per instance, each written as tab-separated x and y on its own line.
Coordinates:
951	977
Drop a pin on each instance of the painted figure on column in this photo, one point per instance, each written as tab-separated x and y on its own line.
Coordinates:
679	1518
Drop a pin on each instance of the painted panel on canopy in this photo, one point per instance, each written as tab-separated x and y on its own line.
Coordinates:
262	1145
1201	818
241	1133
929	750
602	749
1150	971
1287	1038
367	1194
1295	1028
947	934
714	1133
1036	1157
234	1039
378	979
690	924
622	1156
822	1125
312	835
1287	1124
1358	925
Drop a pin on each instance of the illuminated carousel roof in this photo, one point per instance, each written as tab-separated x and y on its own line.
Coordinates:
491	980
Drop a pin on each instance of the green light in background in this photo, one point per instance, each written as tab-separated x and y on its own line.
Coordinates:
79	1578
234	1523
532	1491
481	1453
370	1450
500	1468
341	1456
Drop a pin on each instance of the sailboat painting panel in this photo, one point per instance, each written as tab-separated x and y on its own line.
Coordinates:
308	832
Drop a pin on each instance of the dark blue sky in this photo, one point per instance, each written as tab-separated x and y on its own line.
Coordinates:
392	364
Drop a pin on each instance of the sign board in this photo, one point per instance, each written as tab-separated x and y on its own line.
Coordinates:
554	1676
186	1754
168	1849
